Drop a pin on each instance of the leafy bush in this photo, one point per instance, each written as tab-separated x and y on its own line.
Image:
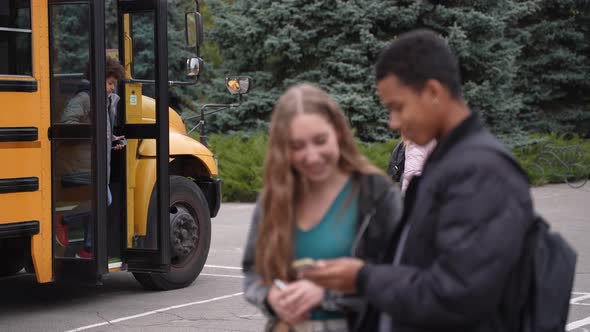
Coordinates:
241	159
548	165
379	153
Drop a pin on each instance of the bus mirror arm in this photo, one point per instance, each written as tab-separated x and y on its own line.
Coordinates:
181	83
217	108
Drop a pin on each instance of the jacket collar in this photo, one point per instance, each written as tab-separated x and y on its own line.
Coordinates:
472	124
372	187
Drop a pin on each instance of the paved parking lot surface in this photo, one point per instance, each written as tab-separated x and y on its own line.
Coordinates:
214	302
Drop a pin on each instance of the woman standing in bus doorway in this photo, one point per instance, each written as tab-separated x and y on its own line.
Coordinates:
320	199
78	111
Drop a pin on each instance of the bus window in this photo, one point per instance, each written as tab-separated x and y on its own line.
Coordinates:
144	64
72	114
15	38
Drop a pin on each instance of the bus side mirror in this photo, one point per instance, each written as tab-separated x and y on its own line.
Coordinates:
239	85
194	67
193	29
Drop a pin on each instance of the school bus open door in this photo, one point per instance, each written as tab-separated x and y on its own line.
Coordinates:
54	183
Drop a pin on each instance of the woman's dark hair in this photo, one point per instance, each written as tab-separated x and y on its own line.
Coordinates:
418	56
114	69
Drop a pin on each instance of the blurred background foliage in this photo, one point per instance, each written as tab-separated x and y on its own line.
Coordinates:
525	64
525	68
241	158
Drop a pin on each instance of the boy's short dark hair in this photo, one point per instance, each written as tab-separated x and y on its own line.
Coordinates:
418	56
114	69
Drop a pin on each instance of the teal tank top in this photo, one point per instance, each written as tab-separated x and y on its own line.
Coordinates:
333	237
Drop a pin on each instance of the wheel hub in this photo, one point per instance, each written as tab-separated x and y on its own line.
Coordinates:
183	232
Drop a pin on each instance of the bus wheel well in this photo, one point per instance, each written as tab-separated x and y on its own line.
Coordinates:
188	166
13	255
193	168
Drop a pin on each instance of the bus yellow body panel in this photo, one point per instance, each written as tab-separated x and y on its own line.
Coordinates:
31	159
141	165
145	179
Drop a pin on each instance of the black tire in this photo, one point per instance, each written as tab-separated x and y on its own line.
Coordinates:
12	256
190	228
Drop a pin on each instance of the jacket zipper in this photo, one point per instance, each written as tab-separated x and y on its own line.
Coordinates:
364	225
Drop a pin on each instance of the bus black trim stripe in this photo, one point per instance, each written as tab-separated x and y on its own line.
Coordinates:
17	86
25	228
18	134
18	185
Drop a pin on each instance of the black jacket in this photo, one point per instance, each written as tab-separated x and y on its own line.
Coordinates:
379	215
465	221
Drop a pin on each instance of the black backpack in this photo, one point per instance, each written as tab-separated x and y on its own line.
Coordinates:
549	266
395	169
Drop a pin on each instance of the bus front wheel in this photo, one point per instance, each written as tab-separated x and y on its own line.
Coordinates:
190	236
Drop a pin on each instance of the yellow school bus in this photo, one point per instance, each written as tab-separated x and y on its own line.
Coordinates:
71	207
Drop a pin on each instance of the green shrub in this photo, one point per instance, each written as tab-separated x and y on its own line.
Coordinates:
543	164
378	153
241	159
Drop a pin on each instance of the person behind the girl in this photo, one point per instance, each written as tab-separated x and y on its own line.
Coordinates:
415	157
320	199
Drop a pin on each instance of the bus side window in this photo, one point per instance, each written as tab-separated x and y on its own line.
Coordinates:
15	38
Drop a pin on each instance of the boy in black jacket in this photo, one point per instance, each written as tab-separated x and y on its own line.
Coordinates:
454	262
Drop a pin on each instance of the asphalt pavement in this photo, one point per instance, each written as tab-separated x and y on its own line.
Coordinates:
215	302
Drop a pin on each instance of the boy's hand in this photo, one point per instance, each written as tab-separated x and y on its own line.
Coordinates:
336	274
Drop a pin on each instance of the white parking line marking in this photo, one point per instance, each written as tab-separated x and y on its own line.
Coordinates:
250	316
238	207
224	267
88	327
578	299
577	324
221	275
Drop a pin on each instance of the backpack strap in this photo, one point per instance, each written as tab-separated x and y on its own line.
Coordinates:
397	160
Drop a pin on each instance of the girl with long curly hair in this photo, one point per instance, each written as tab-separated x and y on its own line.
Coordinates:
321	199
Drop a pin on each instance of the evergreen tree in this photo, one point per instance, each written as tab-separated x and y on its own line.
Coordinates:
282	43
182	98
554	65
71	38
479	32
335	44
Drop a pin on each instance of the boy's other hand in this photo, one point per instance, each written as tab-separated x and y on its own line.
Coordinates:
336	274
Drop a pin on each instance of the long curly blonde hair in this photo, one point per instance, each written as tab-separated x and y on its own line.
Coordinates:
282	185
